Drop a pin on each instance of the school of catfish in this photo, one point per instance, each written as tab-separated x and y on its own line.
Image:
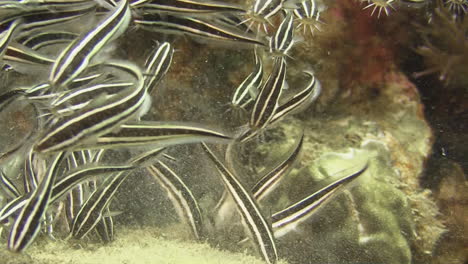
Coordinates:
87	104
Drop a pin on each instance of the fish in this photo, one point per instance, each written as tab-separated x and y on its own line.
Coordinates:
261	11
73	100
157	133
189	7
258	227
97	118
283	40
308	14
28	223
267	100
74	59
42	39
42	18
196	27
247	91
302	99
8	186
7	35
105	227
92	210
287	219
157	65
180	195
267	183
17	53
30	177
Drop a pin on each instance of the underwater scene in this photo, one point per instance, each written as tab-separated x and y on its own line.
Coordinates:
233	131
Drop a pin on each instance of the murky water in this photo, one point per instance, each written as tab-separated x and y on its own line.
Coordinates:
299	131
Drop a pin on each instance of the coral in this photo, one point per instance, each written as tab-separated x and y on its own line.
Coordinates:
445	47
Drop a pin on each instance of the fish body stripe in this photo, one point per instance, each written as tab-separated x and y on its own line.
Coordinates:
21	54
8	185
28	222
310	93
268	98
73	178
249	87
91	211
188	6
267	183
13	207
257	225
180	195
307	9
267	8
42	39
158	65
155	133
93	121
301	210
76	57
193	26
282	41
7	35
85	94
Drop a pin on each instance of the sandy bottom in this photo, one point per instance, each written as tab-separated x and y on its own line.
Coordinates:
142	246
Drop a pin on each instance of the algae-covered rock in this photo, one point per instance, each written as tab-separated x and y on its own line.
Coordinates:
384	216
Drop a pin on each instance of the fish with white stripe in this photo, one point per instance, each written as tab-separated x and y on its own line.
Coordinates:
180	195
283	40
157	65
156	133
299	101
196	27
77	56
267	100
28	223
189	7
287	219
258	227
99	117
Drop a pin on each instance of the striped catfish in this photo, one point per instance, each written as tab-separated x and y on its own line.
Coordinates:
157	65
8	186
30	177
38	40
105	227
13	207
283	40
258	227
196	27
287	219
263	187
180	195
261	11
247	91
270	181
42	18
73	100
75	58
7	35
308	14
156	133
189	7
92	210
267	100
99	117
18	54
299	101
28	223
69	181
